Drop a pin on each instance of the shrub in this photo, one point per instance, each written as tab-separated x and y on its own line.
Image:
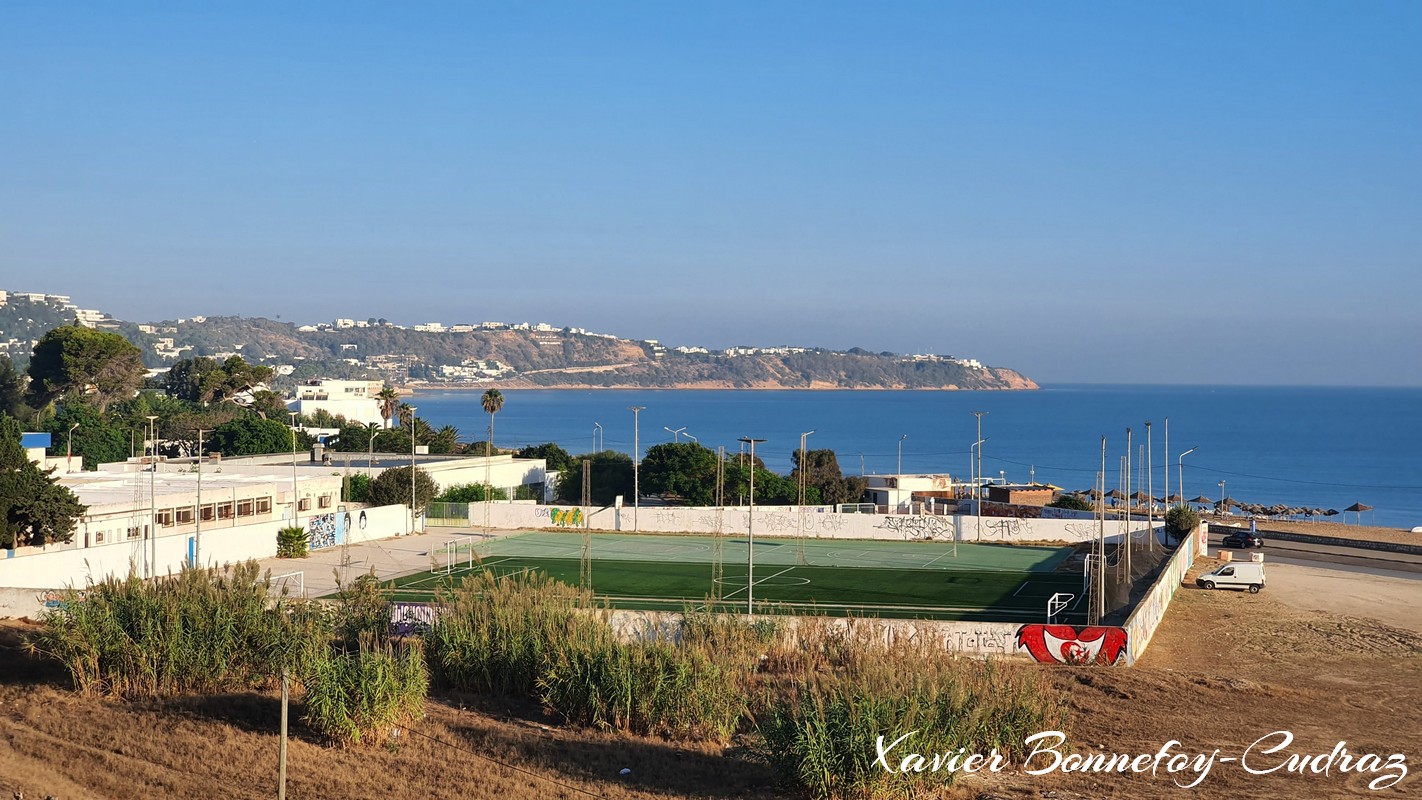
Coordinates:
355	695
196	631
470	493
392	488
1075	502
362	608
1180	521
292	542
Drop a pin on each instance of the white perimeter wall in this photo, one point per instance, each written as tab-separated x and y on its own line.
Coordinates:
786	521
1140	626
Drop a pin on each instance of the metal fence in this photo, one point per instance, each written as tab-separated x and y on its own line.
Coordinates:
448	515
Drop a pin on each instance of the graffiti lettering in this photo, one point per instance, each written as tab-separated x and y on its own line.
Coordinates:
917	528
322	531
1068	644
978	640
566	517
410	619
58	598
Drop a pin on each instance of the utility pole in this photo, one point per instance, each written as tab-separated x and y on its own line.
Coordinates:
413	510
281	752
152	502
197	520
804	486
585	572
1150	494
977	482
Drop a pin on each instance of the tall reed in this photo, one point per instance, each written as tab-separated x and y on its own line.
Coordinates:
194	631
354	696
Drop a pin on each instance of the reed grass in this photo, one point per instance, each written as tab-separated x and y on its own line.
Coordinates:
201	630
354	696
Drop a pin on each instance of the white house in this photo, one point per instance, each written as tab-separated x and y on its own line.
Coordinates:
354	400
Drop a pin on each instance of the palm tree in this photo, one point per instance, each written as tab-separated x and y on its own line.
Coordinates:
403	412
492	401
388	399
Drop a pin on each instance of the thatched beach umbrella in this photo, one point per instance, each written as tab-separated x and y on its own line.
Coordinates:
1115	494
1359	508
1201	501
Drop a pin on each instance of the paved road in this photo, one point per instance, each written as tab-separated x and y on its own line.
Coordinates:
1311	554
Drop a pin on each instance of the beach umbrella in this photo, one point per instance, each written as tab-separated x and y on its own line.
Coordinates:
1202	500
1332	512
1115	494
1359	508
1174	498
1138	496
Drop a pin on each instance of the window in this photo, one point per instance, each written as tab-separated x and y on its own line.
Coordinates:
185	515
98	537
165	517
304	504
133	533
264	505
324	501
224	511
209	513
244	508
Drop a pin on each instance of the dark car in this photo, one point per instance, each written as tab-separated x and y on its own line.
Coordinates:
1243	539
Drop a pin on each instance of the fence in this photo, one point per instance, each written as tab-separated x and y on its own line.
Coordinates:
448	515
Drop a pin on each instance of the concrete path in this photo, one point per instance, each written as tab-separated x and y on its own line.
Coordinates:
390	558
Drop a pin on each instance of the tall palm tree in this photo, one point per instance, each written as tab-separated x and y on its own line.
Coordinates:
493	402
388	399
404	413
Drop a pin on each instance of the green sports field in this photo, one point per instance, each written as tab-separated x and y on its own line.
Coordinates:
899	579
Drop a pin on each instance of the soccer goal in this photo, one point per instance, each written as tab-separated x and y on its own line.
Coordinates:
291	584
457	555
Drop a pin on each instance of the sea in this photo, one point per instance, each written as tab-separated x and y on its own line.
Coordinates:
1315	447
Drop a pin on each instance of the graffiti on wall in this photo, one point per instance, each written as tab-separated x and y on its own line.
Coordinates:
924	528
322	531
411	619
1070	644
59	598
561	517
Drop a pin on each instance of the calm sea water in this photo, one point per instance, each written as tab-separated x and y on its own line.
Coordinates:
1316	447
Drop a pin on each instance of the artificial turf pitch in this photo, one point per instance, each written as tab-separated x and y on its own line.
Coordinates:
898	579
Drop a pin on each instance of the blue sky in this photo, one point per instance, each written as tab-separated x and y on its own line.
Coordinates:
1116	192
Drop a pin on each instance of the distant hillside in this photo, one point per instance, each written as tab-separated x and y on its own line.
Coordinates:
509	357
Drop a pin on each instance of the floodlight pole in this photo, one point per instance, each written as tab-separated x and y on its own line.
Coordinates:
750	530
1150	492
804	486
152	503
295	495
977	482
412	469
636	463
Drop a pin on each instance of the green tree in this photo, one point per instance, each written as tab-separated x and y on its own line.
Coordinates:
556	458
823	475
250	436
34	508
468	493
78	361
770	489
392	488
686	470
269	405
443	441
611	475
12	389
493	403
95	439
388	399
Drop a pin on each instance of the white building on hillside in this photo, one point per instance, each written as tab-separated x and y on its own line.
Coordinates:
354	400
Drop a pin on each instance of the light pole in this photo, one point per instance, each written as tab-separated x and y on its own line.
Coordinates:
197	518
1223	507
69	450
412	468
750	530
804	485
152	503
370	447
295	495
692	438
597	430
977	481
976	491
675	433
899	468
1150	491
1180	473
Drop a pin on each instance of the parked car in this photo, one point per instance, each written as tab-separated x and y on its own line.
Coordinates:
1239	575
1243	539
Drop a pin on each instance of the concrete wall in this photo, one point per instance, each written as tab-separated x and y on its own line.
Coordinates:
787	521
1140	626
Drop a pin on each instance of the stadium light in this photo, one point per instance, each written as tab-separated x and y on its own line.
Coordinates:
750	530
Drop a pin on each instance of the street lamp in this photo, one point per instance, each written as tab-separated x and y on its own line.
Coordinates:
295	495
750	529
1223	497
692	438
976	492
899	470
675	433
597	431
1180	473
977	481
803	478
636	463
69	449
412	469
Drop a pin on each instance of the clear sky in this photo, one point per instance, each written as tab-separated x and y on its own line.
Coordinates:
1118	192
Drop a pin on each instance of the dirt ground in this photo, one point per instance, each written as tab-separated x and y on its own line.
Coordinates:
1225	669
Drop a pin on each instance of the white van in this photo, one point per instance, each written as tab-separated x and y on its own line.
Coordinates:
1235	575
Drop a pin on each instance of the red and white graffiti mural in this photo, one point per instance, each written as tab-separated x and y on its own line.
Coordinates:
1069	644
